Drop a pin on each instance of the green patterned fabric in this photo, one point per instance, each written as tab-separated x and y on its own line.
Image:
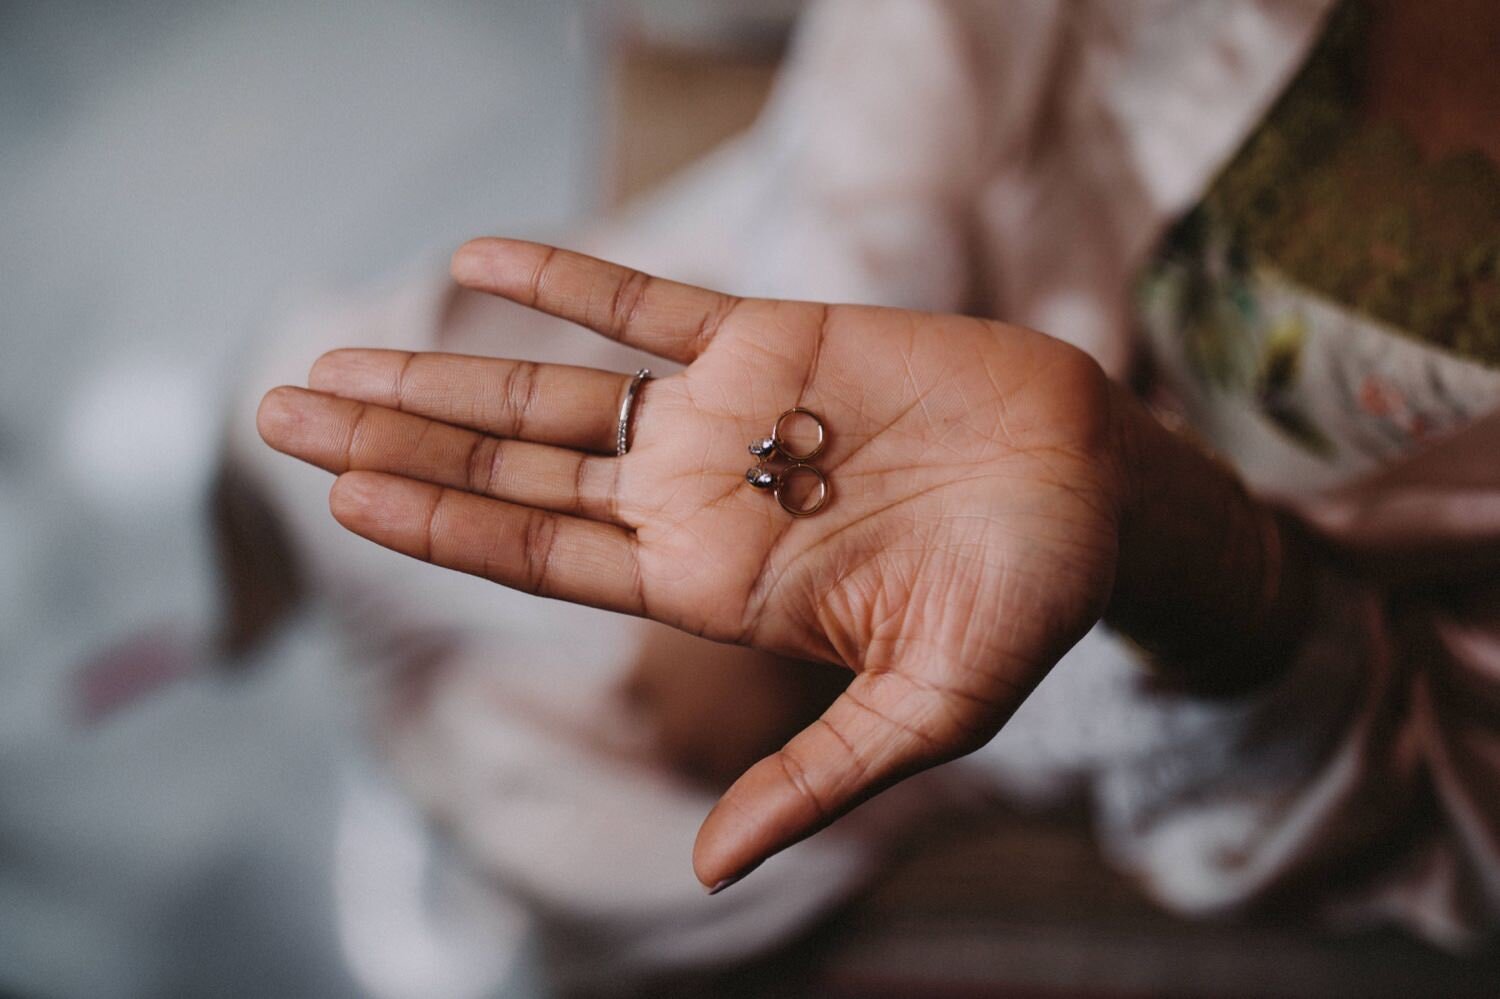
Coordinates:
1349	208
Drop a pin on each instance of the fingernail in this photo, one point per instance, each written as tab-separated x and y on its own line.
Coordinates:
725	884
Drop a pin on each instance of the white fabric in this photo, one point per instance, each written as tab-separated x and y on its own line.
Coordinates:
502	715
1018	159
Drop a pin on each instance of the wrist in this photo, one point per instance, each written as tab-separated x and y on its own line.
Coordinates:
1211	581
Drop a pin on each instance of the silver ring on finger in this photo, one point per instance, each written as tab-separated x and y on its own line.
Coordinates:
627	408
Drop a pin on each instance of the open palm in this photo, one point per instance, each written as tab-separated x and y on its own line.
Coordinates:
969	537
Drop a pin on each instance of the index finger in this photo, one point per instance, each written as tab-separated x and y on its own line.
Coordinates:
665	318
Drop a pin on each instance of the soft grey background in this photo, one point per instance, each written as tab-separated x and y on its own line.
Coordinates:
173	175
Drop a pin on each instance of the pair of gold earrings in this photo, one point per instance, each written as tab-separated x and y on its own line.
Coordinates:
776	482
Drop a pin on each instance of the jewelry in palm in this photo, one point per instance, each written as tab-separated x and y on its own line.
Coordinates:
766	450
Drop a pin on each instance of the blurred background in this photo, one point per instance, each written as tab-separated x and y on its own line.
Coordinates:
175	176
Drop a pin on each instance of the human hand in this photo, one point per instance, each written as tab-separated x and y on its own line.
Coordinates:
969	540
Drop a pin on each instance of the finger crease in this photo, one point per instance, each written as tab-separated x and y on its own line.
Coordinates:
584	504
361	413
859	760
520	395
432	524
628	296
398	389
484	458
612	497
910	730
539	276
797	777
713	321
541	534
637	582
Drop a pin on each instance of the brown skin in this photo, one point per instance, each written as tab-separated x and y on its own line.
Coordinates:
994	495
714	710
985	495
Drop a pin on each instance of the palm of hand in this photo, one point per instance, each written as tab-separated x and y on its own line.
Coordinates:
969	539
971	535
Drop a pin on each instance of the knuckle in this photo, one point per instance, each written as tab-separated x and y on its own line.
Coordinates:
539	536
432	527
359	429
541	273
401	380
590	499
596	488
519	393
483	463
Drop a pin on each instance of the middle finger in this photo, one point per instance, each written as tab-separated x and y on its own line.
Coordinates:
346	435
544	403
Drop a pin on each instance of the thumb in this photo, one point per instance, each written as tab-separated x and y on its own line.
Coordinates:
883	728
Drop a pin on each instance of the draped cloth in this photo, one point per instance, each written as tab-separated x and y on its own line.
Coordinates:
1018	160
